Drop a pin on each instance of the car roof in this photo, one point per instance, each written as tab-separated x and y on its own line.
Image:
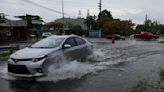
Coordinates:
46	32
62	36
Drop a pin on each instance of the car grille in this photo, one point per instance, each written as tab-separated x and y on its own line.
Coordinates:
18	69
20	59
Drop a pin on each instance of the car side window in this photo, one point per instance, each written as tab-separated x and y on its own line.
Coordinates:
71	42
79	41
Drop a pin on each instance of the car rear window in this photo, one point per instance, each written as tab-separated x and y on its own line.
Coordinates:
79	41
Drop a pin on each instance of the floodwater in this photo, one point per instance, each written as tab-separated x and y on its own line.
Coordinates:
112	68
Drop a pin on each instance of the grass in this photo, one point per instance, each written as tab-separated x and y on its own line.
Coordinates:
145	86
162	75
161	41
140	87
4	56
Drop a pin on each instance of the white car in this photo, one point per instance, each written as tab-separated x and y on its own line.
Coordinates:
35	60
46	34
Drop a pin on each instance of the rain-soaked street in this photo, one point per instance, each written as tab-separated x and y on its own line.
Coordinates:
112	68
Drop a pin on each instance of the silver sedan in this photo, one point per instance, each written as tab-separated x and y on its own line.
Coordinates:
35	60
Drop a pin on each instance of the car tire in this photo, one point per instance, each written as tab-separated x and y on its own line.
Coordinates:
83	60
49	66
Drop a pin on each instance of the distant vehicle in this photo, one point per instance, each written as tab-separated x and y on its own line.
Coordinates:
146	36
115	36
36	59
46	34
32	36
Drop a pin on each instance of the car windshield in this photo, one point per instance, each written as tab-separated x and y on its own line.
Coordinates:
48	43
47	33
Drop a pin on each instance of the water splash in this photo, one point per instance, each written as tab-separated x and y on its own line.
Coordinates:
4	73
76	69
72	70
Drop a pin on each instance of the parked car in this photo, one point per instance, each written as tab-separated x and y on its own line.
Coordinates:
36	59
146	36
32	36
115	36
46	34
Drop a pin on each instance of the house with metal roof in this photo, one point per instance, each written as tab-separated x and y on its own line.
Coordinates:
14	30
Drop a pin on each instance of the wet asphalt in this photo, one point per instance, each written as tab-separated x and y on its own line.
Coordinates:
130	61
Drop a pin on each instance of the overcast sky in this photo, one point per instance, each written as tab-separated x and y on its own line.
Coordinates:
50	10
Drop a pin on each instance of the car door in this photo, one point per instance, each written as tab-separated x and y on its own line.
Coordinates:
71	52
82	48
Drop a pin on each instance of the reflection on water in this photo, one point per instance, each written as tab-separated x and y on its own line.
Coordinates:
71	76
33	86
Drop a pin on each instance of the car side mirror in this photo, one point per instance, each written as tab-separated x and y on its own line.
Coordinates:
66	46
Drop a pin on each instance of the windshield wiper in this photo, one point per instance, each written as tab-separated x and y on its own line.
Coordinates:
39	47
42	47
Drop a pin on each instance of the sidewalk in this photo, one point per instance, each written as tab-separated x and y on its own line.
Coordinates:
6	47
21	44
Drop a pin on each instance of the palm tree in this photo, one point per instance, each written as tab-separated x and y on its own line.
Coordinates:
90	22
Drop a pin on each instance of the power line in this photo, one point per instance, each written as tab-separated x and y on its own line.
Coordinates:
41	6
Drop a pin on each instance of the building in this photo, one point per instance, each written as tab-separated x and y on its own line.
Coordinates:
14	30
95	33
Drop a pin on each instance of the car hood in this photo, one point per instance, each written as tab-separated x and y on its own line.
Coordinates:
28	53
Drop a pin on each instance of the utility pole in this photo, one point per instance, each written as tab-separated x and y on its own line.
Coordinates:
100	5
63	14
79	14
146	23
88	13
146	17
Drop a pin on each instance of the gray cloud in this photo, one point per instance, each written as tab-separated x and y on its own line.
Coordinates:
49	10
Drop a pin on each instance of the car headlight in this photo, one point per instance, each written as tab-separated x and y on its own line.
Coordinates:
38	58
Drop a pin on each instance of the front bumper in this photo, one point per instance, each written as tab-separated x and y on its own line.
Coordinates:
26	75
25	68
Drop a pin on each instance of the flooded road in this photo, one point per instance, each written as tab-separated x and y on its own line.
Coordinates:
112	68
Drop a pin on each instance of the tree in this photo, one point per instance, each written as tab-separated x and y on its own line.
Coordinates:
2	18
30	19
118	27
149	26
69	24
55	25
104	17
97	23
140	28
77	30
34	22
161	28
90	21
